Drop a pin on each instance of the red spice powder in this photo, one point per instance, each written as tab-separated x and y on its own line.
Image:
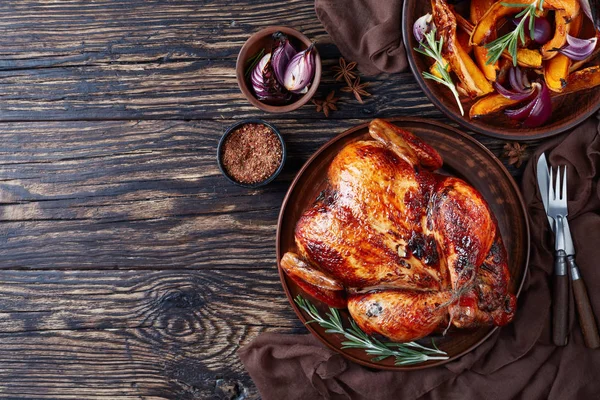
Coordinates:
251	153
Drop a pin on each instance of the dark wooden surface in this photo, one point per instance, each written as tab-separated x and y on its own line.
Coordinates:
129	268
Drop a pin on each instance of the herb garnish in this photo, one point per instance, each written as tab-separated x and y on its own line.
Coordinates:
405	353
510	41
252	61
433	48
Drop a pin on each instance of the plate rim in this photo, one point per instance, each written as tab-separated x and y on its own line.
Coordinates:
292	186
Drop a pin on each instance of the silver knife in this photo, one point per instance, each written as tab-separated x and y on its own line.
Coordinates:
587	320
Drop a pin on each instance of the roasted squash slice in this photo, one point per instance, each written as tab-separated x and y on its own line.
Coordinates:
556	69
486	27
433	70
474	82
463	39
477	10
571	7
583	79
561	23
489	70
525	57
556	72
490	104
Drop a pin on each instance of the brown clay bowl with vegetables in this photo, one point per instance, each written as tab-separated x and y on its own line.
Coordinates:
512	69
278	69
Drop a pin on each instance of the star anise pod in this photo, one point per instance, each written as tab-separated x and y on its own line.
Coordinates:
358	89
516	153
344	71
327	104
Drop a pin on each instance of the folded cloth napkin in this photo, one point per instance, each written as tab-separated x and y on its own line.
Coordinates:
366	31
518	361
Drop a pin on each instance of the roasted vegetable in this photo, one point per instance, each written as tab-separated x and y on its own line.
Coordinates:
556	69
561	28
485	29
586	78
475	83
571	7
525	57
556	72
490	104
477	10
463	38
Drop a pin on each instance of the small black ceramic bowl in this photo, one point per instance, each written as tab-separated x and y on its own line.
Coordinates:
232	128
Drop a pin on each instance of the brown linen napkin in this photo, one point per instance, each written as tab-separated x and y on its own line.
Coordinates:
366	31
518	361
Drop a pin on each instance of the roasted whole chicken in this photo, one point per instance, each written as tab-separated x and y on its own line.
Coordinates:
406	250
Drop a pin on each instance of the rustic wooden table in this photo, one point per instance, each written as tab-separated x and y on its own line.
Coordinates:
130	268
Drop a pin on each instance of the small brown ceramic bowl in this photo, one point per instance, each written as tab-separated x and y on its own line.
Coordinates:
263	40
567	111
231	129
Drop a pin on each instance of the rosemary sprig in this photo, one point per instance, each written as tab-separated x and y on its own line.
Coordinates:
252	61
405	353
510	41
433	48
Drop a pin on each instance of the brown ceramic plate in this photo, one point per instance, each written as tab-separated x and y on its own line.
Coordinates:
567	110
463	157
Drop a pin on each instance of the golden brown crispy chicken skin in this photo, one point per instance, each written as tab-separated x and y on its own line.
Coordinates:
405	249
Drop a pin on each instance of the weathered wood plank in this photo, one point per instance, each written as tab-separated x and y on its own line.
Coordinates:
147	194
175	301
37	33
126	334
179	90
141	363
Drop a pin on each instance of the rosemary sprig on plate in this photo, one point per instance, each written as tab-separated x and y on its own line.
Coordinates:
431	47
510	41
405	353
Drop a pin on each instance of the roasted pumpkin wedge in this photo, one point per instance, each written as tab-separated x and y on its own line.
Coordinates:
475	83
463	39
561	28
556	69
490	104
525	57
477	11
571	7
486	26
583	79
556	72
433	70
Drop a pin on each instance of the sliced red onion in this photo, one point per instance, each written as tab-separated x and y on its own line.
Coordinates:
422	26
509	94
523	112
266	87
542	30
258	78
592	12
283	52
518	80
578	49
541	110
537	111
300	71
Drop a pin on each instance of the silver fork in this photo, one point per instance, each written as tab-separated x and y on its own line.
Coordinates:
557	210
